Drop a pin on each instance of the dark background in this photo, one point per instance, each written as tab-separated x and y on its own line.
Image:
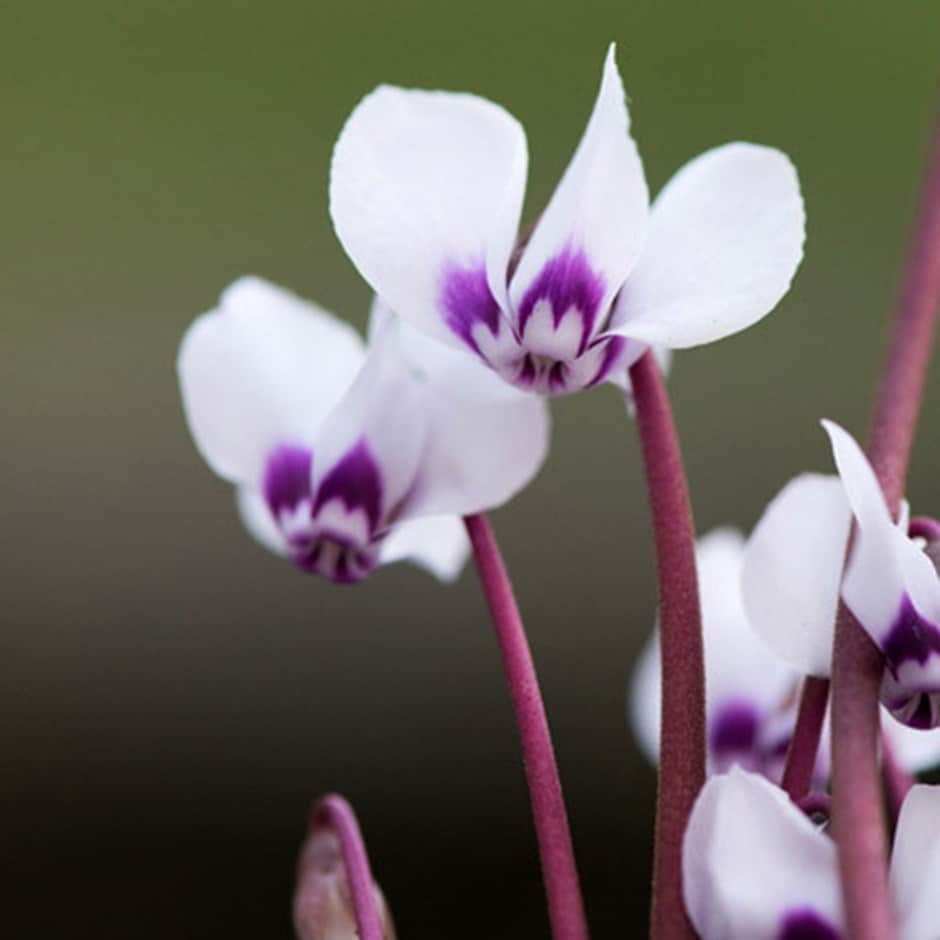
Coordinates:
171	697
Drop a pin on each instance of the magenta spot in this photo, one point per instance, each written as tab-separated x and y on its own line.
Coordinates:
734	728
911	637
357	482
287	478
805	924
566	282
467	300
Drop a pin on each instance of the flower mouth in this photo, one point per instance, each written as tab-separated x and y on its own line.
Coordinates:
335	557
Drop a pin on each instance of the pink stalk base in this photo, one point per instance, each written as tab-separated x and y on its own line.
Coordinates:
335	812
804	745
682	740
858	822
565	906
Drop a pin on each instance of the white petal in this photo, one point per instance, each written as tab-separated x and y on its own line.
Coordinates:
915	749
793	569
750	857
424	182
874	584
478	454
262	369
915	864
385	410
439	364
739	667
258	520
438	544
599	208
725	239
738	662
645	693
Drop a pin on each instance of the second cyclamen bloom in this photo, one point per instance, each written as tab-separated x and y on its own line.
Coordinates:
347	456
426	193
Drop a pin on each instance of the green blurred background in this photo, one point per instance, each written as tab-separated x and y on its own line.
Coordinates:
172	697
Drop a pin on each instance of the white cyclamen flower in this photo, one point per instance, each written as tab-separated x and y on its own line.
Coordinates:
426	192
756	868
347	457
793	573
750	692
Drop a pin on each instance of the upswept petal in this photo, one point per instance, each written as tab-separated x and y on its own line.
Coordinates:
426	190
873	587
262	369
793	569
753	864
725	239
478	455
439	544
591	233
381	426
915	864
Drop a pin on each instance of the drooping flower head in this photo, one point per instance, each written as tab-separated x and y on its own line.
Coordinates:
750	692
756	868
345	456
426	192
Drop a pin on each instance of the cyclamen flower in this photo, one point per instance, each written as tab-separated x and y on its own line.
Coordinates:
756	868
750	707
794	570
426	192
347	457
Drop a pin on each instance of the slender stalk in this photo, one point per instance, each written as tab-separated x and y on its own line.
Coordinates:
804	745
858	822
682	740
334	812
565	906
897	781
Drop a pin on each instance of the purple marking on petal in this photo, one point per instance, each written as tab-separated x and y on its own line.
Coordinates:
912	638
357	482
734	727
804	923
613	352
467	300
566	281
287	477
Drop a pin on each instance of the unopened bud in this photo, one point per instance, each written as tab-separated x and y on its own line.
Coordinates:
323	908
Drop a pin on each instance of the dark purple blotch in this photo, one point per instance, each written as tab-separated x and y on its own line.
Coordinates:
287	477
467	300
357	482
911	638
804	923
566	281
734	728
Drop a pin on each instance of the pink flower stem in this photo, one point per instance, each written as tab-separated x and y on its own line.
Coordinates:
333	811
565	906
682	745
804	745
858	822
897	781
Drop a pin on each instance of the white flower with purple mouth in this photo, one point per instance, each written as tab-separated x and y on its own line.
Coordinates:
426	193
750	707
756	868
347	457
793	574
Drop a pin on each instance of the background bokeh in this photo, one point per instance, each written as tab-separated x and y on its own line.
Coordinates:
171	697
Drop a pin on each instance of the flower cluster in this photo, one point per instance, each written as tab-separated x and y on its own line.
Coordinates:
348	454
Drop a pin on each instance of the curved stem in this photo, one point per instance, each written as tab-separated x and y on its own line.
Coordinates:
858	822
804	745
335	813
682	740
924	527
814	804
565	906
